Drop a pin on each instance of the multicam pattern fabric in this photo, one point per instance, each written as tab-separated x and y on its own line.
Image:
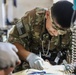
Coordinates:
30	31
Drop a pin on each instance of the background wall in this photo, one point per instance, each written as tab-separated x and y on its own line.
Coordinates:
61	0
25	5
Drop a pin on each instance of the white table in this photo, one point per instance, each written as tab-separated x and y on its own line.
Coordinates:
27	71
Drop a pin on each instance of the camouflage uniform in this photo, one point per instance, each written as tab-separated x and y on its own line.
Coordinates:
30	31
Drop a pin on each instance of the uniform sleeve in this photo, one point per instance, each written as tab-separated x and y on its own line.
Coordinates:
14	36
21	32
21	28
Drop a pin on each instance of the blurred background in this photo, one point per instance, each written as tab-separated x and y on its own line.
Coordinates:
11	9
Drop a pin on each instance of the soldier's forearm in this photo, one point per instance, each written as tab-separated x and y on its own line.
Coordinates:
22	52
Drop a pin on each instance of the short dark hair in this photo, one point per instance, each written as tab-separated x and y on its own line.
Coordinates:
62	11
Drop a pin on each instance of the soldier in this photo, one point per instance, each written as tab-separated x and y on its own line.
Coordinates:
45	33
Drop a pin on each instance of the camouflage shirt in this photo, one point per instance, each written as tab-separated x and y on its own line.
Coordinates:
30	31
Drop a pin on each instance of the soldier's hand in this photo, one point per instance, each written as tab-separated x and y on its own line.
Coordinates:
37	62
8	56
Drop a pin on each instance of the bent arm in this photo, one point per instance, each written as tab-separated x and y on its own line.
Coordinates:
22	52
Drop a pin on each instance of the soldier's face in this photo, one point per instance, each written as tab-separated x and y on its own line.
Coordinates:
53	27
49	26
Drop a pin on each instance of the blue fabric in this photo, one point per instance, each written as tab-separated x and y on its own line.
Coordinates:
15	3
74	6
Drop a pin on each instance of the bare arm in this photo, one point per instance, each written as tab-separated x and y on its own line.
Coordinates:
22	52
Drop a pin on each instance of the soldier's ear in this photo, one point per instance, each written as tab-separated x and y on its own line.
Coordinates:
47	14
